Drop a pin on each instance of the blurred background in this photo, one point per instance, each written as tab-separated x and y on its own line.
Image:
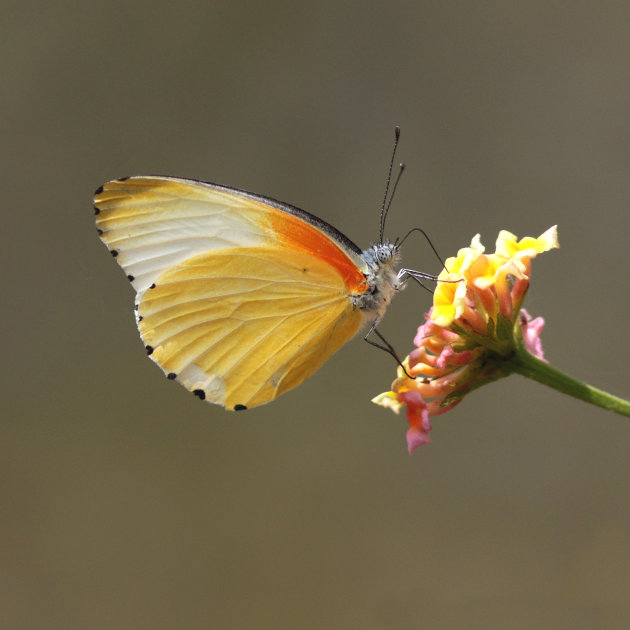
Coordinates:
128	504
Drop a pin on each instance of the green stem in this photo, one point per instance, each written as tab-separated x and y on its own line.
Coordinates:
528	365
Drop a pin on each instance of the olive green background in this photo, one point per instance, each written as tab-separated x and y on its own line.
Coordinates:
127	503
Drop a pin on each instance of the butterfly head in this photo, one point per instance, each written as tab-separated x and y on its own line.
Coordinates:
381	255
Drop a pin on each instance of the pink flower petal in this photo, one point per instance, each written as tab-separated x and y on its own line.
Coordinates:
531	329
415	438
418	418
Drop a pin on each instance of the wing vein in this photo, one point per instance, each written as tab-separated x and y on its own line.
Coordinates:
320	304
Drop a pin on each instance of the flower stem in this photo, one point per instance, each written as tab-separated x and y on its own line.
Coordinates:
528	365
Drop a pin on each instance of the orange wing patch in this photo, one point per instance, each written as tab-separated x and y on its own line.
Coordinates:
298	235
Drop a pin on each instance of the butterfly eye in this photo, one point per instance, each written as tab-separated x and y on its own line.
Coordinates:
383	254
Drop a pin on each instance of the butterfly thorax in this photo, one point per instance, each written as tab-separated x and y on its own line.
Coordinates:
382	279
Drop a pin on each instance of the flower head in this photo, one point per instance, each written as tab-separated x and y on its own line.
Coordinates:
470	334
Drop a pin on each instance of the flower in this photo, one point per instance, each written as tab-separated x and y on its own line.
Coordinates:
472	332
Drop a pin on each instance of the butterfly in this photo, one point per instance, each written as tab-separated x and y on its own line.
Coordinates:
239	297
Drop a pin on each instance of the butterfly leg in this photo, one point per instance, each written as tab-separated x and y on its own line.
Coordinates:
405	274
386	346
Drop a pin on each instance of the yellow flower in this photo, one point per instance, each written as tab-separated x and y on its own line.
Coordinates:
475	326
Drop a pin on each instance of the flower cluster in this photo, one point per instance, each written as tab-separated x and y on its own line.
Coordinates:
471	333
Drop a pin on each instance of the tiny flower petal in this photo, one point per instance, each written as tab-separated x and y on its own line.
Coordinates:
549	239
531	329
389	400
483	272
418	418
415	438
507	245
449	300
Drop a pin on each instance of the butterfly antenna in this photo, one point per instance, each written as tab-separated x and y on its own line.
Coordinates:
401	167
385	206
426	236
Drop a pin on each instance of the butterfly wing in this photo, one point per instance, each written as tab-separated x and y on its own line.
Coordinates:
240	298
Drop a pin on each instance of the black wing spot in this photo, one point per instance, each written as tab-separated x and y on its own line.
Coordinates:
199	393
171	376
135	308
114	253
140	318
130	278
149	349
152	286
97	210
240	408
99	231
99	190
